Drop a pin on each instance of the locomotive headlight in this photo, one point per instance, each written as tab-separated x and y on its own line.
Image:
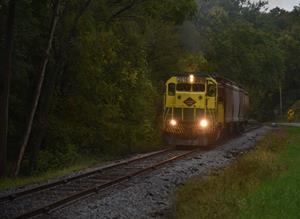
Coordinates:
203	123
173	122
192	78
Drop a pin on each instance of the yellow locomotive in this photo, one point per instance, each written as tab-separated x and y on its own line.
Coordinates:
198	109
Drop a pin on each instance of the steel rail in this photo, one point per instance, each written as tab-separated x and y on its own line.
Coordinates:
95	188
87	192
16	195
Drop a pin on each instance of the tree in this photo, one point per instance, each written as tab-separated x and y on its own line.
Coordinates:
40	123
89	100
55	18
5	75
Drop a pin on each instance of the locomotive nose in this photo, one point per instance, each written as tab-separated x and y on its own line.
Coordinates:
188	100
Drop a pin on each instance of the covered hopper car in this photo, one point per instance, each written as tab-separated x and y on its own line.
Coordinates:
198	110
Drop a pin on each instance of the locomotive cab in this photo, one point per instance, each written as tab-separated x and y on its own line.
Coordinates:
190	109
199	109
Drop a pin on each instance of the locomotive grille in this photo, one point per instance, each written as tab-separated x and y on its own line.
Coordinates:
188	114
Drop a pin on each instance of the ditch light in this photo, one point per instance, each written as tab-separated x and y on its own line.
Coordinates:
173	122
203	123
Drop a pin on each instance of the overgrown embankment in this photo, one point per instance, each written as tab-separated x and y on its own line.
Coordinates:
81	164
263	183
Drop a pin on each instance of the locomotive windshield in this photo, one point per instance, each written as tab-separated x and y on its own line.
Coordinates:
183	87
198	87
186	87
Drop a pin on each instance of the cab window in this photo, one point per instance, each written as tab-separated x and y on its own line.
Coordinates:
183	87
211	90
198	87
171	89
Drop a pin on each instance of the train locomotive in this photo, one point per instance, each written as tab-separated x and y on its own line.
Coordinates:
199	110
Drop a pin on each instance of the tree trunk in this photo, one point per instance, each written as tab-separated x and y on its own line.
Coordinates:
5	75
45	61
41	120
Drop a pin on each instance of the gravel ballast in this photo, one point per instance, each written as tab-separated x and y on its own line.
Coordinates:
150	196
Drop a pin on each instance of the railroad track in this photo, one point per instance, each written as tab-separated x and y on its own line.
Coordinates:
45	198
48	197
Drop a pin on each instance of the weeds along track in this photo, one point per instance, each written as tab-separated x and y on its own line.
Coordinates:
42	199
48	197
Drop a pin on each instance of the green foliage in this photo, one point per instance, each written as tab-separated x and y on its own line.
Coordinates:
42	177
261	184
195	62
57	158
254	59
278	198
258	50
109	69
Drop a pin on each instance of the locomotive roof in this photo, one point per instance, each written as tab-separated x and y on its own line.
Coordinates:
218	78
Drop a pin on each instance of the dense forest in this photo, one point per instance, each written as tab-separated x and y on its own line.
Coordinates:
85	78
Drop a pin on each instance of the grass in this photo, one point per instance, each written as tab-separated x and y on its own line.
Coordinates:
262	184
84	163
279	198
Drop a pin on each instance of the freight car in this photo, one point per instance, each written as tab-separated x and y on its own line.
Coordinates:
199	110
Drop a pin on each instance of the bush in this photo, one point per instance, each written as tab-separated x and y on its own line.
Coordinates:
55	159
